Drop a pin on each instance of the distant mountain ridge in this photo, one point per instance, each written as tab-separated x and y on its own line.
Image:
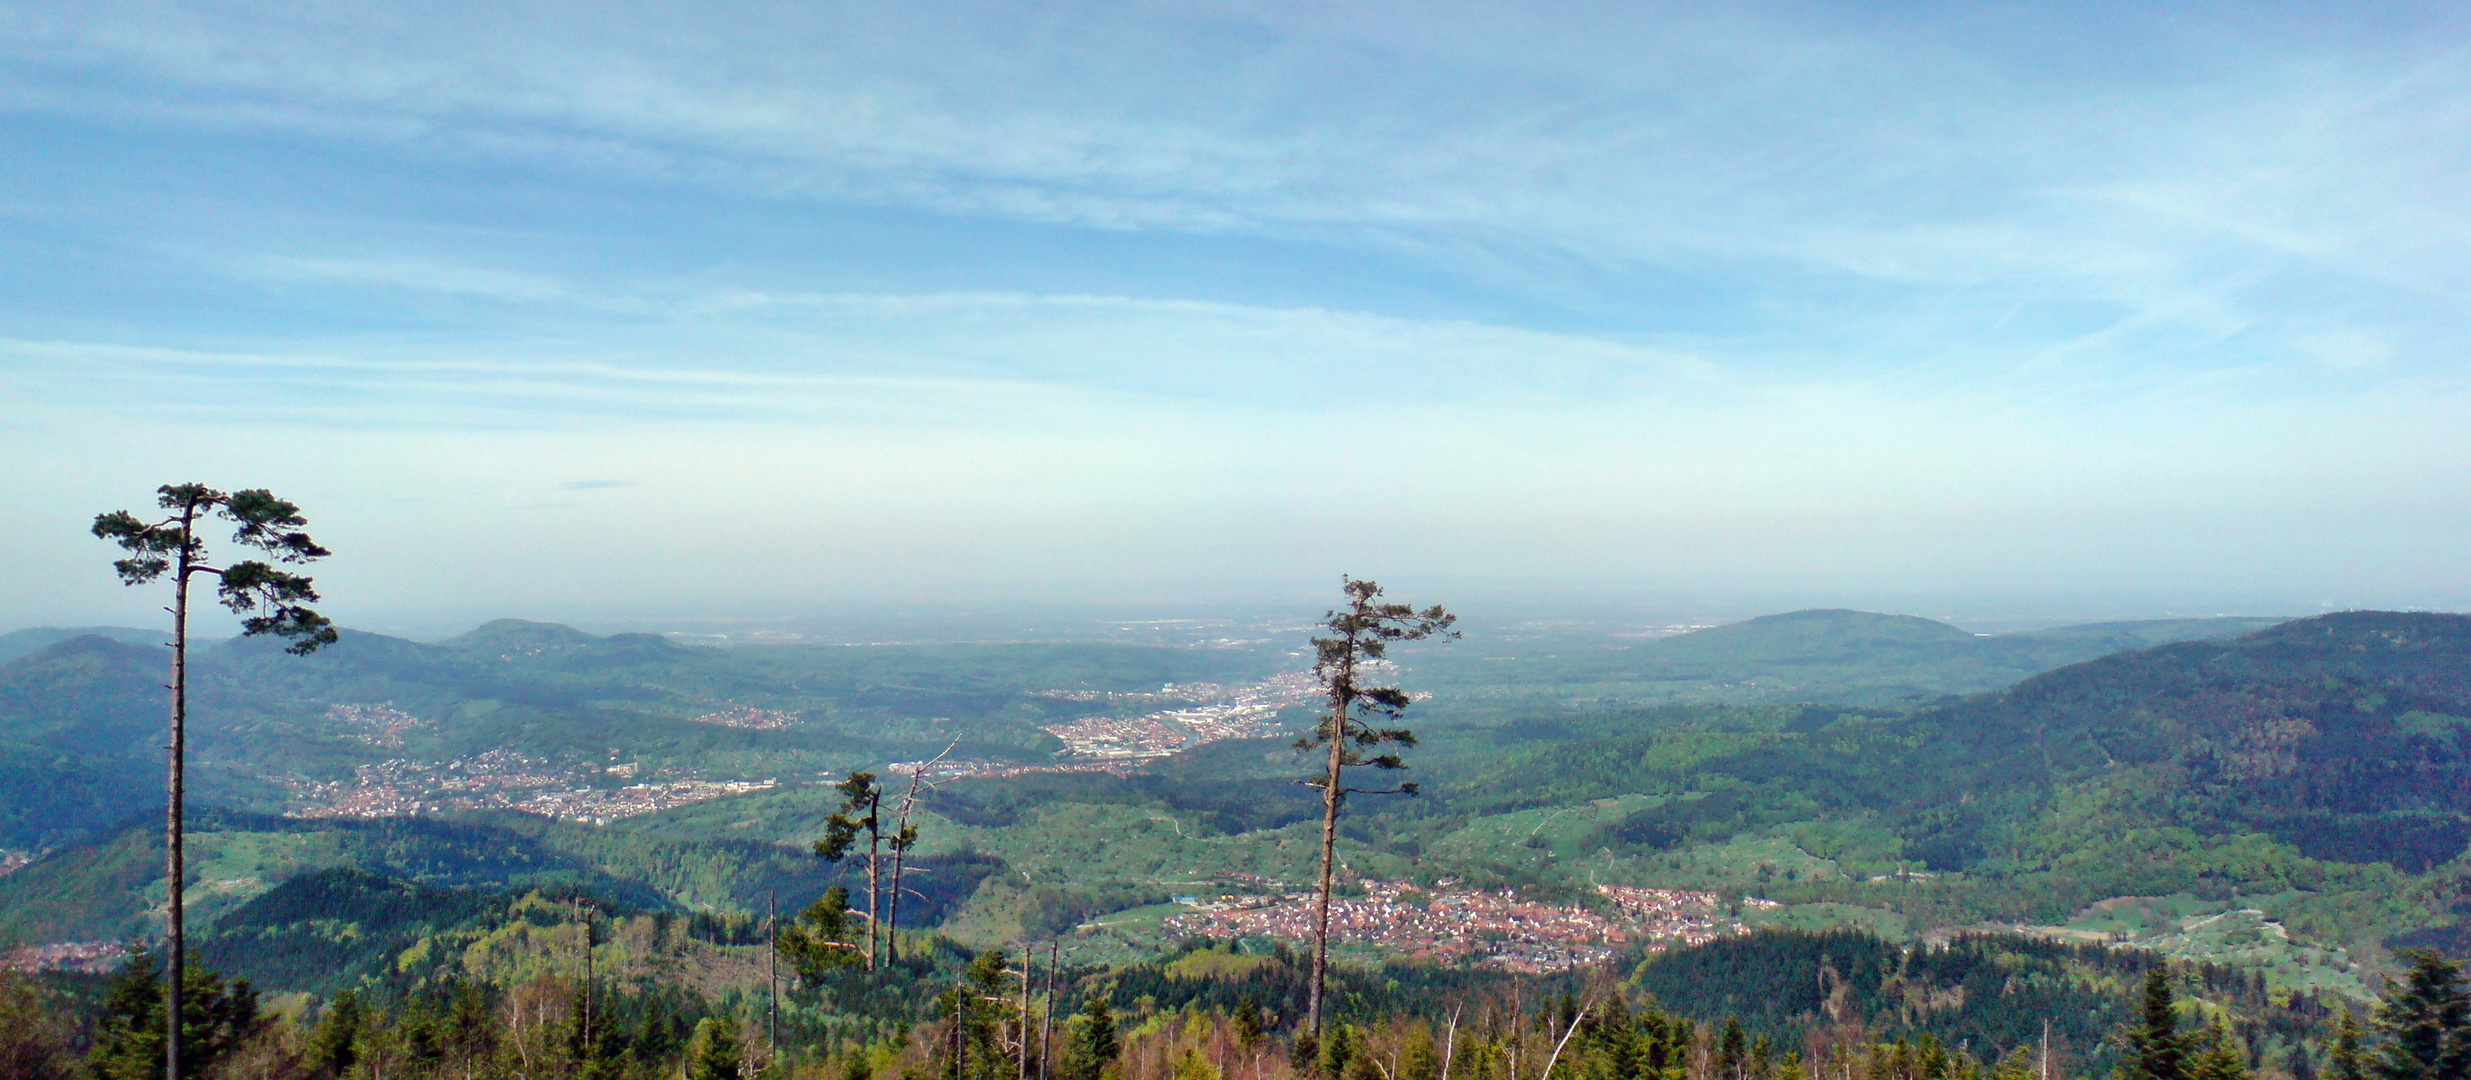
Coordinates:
1822	655
18	643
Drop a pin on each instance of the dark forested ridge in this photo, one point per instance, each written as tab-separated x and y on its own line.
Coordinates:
2347	735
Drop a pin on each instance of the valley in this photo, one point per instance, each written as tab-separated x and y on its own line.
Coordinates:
2289	803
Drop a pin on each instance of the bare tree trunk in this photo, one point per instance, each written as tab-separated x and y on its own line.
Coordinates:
892	914
587	974
900	829
772	979
875	840
1046	1024
177	789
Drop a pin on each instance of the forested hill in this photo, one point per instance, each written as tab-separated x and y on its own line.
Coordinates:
18	643
2346	735
80	723
1830	655
2318	771
2314	771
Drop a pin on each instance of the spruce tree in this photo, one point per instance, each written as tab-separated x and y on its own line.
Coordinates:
334	1044
1338	1051
473	1031
2222	1058
982	1010
1093	1042
2426	1023
1732	1050
2344	1059
1419	1060
1930	1059
1617	1037
129	1035
714	1053
2017	1064
2157	1050
1247	1021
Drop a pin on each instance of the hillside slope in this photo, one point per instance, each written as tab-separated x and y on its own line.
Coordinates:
81	734
1825	655
2318	771
2347	736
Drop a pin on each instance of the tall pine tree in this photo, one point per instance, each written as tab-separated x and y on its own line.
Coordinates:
271	601
1360	634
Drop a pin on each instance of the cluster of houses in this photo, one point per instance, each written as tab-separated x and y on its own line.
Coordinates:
377	725
498	780
1489	928
748	718
1216	712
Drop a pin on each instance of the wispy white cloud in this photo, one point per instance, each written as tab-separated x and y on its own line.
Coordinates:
1884	149
2031	294
414	274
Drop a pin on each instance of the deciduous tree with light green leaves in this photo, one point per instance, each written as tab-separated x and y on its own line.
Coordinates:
269	599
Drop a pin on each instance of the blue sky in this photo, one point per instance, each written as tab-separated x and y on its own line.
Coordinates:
648	311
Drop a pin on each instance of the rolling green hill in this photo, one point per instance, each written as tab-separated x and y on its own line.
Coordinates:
2298	797
1845	657
18	643
113	889
81	732
2318	771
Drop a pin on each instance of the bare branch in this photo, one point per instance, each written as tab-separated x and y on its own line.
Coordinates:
1557	1047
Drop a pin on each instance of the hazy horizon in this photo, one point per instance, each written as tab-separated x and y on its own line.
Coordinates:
1483	617
631	318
